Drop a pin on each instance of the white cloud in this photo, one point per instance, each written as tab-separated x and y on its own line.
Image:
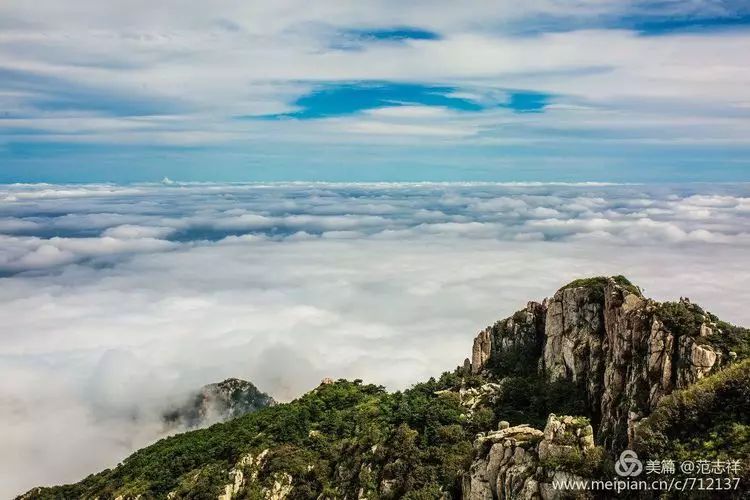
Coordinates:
409	112
284	284
195	73
130	231
27	253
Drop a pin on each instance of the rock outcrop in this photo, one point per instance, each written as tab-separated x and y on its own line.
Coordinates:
218	403
473	397
521	462
245	470
281	488
605	337
521	333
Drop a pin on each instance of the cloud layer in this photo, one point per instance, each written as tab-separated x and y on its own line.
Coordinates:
117	299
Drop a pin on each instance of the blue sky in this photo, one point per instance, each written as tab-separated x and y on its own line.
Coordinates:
581	90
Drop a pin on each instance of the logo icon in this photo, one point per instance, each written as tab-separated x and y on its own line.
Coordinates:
628	464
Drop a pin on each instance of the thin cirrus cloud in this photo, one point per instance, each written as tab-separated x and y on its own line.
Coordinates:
357	39
545	91
144	292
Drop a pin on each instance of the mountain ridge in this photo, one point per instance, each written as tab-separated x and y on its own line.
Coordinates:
597	365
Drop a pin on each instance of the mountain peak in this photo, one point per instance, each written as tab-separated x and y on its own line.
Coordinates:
599	282
218	402
593	332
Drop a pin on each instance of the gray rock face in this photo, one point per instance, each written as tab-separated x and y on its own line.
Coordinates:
481	350
574	323
511	463
503	465
610	341
574	333
524	331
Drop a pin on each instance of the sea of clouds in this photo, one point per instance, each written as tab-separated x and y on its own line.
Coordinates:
116	300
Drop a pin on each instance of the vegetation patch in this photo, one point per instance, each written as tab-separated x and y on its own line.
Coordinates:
592	463
530	399
414	441
685	318
709	420
599	282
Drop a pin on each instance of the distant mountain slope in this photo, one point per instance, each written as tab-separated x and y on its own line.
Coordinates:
218	402
598	367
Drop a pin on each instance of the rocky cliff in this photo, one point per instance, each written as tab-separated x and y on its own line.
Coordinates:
624	351
523	462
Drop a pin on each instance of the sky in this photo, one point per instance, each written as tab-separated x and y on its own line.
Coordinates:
541	90
118	300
